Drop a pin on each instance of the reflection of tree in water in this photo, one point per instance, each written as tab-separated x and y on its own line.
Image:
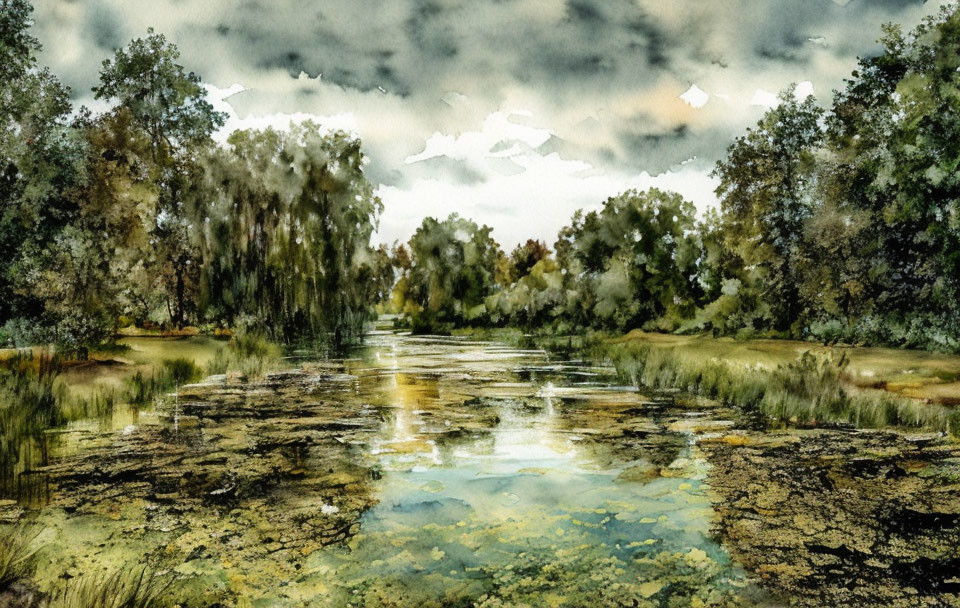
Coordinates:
28	407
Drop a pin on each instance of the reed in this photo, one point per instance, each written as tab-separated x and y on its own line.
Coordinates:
813	389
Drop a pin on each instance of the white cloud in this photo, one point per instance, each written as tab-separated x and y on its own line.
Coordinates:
695	97
803	90
764	98
474	145
533	203
280	121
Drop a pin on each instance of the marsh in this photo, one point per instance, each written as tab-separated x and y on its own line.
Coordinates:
446	471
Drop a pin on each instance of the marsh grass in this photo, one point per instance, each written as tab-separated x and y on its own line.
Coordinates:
249	353
813	389
142	388
30	396
136	587
18	549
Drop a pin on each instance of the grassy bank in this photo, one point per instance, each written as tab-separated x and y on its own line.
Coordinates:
917	374
788	382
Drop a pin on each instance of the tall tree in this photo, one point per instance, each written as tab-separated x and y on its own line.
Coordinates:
40	169
766	195
287	220
168	104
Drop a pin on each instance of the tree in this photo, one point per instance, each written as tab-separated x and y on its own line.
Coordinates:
634	261
41	169
168	104
766	195
287	220
453	269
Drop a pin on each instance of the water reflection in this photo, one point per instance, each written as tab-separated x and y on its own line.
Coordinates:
494	490
423	468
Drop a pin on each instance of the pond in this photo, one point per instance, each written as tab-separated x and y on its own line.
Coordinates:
432	471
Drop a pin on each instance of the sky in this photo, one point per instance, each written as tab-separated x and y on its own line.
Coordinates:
514	113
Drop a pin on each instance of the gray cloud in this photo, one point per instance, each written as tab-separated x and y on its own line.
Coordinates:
602	75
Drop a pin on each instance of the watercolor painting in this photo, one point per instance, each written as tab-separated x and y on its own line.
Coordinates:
497	304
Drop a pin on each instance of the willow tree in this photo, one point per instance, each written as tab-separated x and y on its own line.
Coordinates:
285	220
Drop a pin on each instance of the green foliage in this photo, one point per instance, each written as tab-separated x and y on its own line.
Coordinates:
453	269
167	107
287	220
766	197
844	224
633	263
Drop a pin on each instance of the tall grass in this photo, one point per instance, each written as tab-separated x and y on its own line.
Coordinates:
30	395
249	353
135	587
813	389
142	388
18	548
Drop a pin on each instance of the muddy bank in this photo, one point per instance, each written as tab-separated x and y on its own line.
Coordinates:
841	518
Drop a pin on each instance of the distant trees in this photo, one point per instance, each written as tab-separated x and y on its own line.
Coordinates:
838	224
630	264
452	269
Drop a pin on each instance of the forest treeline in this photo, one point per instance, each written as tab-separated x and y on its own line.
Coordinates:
135	215
837	224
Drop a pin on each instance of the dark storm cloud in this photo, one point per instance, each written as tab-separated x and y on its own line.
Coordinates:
602	75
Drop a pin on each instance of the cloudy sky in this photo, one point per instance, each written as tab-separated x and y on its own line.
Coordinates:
511	112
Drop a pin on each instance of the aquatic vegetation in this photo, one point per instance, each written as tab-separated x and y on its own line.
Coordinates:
251	354
29	404
812	510
132	587
141	388
812	389
18	548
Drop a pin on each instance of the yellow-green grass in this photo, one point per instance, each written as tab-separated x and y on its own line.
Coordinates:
933	377
112	371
